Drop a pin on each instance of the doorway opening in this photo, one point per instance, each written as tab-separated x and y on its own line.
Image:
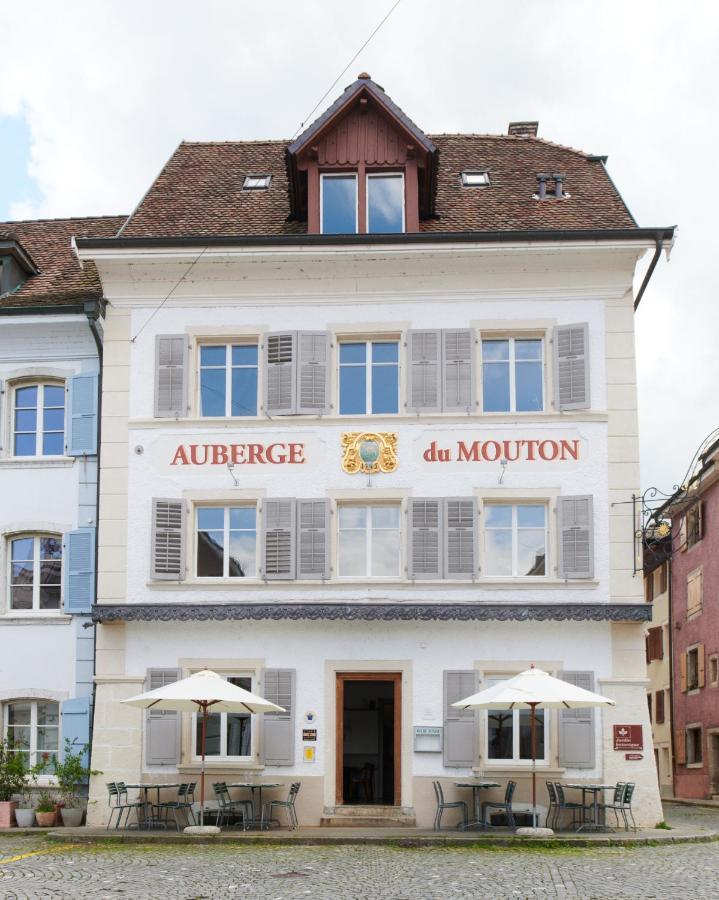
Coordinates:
714	761
368	738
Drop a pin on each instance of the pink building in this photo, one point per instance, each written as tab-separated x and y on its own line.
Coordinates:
695	631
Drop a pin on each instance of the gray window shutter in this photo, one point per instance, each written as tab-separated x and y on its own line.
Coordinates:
571	366
3	424
280	373
75	714
425	538
576	727
170	376
169	525
279	539
575	523
162	727
458	370
278	729
424	393
81	437
460	529
313	372
79	566
313	530
461	741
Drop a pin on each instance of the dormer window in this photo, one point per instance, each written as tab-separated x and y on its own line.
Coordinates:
385	203
338	204
475	179
256	182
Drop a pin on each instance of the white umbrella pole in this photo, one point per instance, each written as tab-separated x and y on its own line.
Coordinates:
202	770
533	718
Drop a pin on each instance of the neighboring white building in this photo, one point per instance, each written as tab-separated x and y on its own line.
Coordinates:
281	318
49	368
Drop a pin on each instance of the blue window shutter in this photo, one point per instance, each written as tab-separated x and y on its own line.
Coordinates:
82	415
79	570
76	723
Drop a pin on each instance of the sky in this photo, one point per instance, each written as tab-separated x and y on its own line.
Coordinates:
95	96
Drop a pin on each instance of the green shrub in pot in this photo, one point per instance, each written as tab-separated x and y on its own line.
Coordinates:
70	773
12	780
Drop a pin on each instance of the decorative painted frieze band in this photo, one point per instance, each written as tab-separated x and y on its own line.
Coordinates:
499	612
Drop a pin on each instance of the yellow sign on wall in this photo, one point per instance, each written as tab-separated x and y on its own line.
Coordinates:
369	452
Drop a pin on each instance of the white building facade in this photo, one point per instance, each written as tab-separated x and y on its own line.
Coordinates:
50	344
365	475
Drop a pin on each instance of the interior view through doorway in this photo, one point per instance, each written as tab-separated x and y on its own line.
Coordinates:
368	738
714	762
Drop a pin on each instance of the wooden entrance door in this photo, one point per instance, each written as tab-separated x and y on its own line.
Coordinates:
342	679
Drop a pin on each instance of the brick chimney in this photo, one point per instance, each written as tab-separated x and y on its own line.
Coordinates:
523	129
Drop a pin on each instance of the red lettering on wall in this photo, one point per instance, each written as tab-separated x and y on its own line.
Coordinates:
570	448
219	455
238	454
550	454
496	450
276	454
297	452
195	454
465	453
180	457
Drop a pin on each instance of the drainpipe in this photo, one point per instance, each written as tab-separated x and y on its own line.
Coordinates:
92	311
659	241
670	649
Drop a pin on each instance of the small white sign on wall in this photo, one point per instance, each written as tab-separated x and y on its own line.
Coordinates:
427	739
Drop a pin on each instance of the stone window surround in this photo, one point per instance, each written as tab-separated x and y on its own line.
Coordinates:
16	378
694	726
32	693
13	529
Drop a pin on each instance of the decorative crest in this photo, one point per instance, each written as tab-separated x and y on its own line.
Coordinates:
369	452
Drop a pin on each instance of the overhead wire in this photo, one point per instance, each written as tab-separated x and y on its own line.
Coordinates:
323	97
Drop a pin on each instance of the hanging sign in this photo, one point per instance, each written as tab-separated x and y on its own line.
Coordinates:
628	737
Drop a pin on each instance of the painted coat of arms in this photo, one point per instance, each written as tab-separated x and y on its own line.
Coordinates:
369	452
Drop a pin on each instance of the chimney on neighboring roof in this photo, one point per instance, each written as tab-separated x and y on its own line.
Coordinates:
523	129
559	186
542	180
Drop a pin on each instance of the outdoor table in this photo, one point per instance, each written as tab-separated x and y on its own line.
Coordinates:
147	820
477	787
256	801
595	790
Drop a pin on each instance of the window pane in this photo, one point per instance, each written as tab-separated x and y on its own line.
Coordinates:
22	549
24	445
353	390
213	356
210	552
50	596
385	553
244	355
53	419
53	444
385	204
244	392
18	714
243	517
210	517
527	349
241	681
528	385
531	551
495	386
352	552
385	516
50	548
385	389
238	734
339	205
500	733
498	516
525	734
242	554
352	516
498	552
212	737
54	395
50	571
212	392
495	351
26	397
21	597
25	419
48	714
353	353
385	351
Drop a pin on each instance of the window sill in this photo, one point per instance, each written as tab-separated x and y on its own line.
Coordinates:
583	415
224	766
37	462
507	769
37	618
509	584
696	765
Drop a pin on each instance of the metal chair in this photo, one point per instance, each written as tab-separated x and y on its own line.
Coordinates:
627	804
229	809
442	804
553	804
616	804
504	805
570	805
288	805
183	803
118	803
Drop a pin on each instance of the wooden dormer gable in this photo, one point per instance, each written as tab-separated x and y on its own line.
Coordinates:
362	132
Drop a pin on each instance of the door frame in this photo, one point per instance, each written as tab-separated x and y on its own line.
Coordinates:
340	679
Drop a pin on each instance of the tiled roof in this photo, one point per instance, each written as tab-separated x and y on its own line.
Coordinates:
199	191
60	281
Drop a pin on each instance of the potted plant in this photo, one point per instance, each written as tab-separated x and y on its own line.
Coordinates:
25	812
45	810
71	772
12	781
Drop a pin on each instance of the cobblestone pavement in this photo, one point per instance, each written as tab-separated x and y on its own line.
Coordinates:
30	867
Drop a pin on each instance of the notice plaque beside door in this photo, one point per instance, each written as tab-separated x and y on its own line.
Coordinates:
628	737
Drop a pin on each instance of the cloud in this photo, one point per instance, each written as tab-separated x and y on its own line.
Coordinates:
108	90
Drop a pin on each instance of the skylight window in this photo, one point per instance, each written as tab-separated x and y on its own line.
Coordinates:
256	182
475	179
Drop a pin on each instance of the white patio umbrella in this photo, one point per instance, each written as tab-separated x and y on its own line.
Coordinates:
533	689
203	692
